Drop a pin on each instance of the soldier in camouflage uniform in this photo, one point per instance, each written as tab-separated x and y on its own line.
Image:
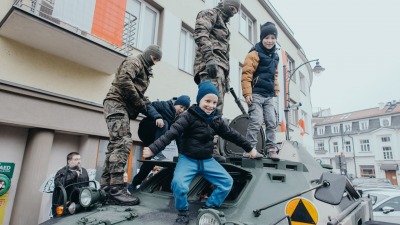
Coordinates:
212	36
124	101
212	54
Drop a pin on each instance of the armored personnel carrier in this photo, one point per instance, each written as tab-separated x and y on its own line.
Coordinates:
295	190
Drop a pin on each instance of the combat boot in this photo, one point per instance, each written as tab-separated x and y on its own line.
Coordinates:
183	217
119	195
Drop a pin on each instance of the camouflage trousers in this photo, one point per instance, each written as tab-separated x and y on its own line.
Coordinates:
220	82
118	148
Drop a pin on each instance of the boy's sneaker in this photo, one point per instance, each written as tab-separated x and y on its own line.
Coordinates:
183	217
272	152
119	195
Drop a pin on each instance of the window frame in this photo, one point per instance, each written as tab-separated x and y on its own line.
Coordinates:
364	125
291	67
335	146
364	145
303	83
367	168
320	130
387	152
249	18
188	34
320	145
335	128
142	26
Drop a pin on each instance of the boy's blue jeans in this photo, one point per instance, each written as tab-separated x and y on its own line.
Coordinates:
261	110
186	170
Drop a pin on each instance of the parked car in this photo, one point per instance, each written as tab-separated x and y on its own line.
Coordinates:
385	204
367	183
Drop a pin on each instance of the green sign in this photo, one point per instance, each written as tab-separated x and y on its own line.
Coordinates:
7	169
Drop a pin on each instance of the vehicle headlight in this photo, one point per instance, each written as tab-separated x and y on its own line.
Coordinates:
210	217
89	196
85	198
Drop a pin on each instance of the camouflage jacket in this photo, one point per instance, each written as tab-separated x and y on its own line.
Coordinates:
130	84
212	38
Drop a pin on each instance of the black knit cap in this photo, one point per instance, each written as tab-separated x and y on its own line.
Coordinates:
267	29
153	50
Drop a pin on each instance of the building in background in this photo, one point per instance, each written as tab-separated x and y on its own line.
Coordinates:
57	63
369	140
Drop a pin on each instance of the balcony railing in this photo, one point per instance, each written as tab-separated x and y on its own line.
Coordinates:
114	34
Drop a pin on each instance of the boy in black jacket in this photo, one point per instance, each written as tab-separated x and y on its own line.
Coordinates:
160	116
198	126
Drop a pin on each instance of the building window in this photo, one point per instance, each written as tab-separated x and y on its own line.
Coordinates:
363	125
320	130
320	146
303	87
187	48
305	119
146	26
335	129
365	145
346	127
335	147
385	122
291	67
367	171
293	114
385	139
387	152
246	26
347	146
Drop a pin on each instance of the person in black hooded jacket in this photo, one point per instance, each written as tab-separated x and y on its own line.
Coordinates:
160	116
198	126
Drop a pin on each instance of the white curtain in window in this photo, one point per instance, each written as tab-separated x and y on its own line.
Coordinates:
148	31
182	50
77	13
131	31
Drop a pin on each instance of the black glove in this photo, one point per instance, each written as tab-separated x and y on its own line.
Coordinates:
212	68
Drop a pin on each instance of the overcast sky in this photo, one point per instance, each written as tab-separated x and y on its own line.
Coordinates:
358	43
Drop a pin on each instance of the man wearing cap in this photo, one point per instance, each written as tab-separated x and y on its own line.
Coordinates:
161	115
124	101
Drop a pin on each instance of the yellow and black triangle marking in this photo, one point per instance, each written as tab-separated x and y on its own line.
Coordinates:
301	212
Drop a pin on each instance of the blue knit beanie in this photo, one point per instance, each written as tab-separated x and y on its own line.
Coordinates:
205	88
183	100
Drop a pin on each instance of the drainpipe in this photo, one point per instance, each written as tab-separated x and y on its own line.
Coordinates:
354	156
329	149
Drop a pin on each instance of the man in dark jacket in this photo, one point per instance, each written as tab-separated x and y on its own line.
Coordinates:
124	101
71	176
161	115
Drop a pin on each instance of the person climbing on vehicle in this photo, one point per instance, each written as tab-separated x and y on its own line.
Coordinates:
124	101
198	126
161	115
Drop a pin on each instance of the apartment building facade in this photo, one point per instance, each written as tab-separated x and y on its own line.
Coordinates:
57	63
369	140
